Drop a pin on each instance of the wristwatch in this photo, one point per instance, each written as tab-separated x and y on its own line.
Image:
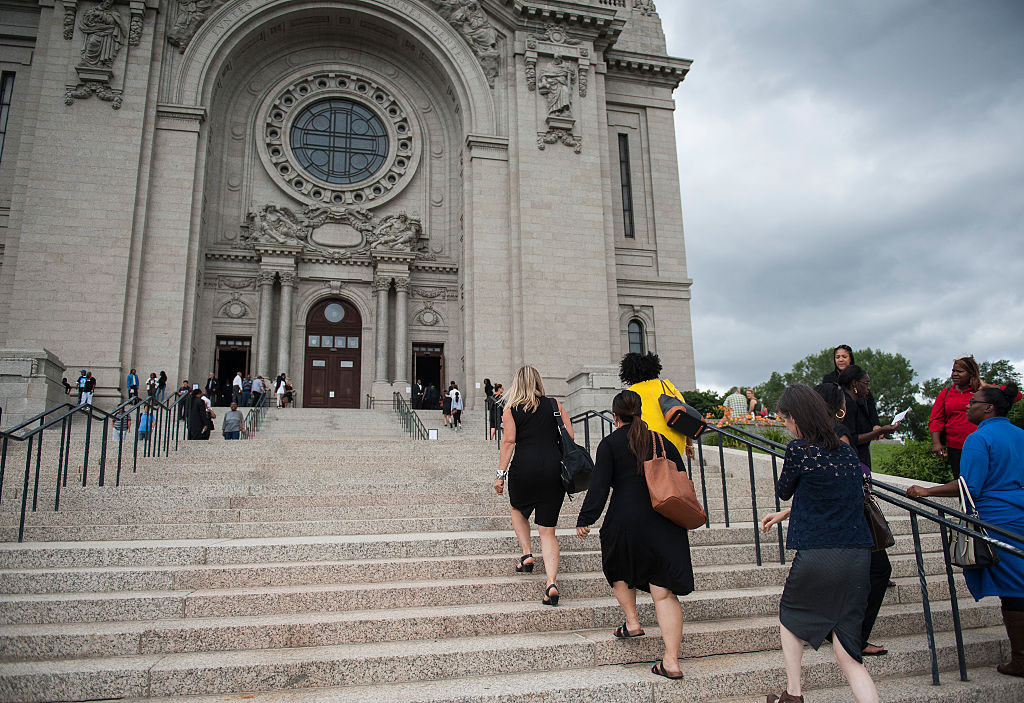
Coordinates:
502	474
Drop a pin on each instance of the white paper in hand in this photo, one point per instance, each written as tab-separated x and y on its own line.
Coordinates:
899	417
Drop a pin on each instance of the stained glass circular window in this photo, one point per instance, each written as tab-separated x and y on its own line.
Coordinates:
339	141
334	312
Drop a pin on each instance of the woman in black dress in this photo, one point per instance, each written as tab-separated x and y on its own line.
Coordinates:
198	416
640	548
535	472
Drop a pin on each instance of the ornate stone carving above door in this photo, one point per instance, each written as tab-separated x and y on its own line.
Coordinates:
336	233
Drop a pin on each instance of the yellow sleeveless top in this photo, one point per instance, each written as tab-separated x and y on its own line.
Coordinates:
649	392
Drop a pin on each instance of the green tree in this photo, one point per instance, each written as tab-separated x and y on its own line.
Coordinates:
770	390
931	388
705	401
1000	372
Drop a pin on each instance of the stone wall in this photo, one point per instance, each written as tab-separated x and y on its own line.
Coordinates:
30	382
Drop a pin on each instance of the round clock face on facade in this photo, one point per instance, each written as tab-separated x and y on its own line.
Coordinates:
334	313
338	138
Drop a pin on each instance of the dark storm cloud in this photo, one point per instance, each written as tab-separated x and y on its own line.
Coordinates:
851	173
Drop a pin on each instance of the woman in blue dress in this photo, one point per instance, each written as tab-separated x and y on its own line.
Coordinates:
992	464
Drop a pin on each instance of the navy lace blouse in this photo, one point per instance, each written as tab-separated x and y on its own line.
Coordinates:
828	497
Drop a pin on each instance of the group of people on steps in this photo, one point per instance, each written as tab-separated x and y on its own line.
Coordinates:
836	581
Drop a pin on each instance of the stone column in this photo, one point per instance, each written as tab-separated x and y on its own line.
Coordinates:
402	332
284	332
265	281
381	286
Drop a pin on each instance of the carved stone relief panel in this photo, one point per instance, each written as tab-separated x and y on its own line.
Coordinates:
335	233
102	31
189	16
469	19
557	67
645	7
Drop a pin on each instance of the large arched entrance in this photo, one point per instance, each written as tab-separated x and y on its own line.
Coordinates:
333	354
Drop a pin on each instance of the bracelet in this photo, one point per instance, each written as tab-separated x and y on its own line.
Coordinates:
502	474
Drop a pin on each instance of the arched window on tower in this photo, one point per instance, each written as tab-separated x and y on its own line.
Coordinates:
635	331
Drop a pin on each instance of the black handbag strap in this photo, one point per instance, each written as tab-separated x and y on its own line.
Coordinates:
666	391
558	415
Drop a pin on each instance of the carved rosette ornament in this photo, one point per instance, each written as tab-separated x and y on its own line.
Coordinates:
428	316
400	232
469	19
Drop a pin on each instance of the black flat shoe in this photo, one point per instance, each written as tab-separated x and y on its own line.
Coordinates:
659	669
882	651
549	598
523	566
623	633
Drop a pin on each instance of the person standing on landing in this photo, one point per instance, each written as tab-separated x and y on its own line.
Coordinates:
534	473
826	592
132	383
948	422
992	466
640	548
457	409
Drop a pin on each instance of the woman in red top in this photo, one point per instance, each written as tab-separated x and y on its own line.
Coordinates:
948	424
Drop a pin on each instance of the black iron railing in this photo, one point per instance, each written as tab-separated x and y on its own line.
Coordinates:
947	519
142	427
411	422
254	418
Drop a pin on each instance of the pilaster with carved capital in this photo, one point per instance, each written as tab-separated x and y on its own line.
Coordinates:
402	350
381	286
265	283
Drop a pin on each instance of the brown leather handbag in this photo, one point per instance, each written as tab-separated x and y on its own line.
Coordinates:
672	493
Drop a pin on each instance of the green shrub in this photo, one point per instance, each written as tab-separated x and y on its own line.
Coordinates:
1016	414
913	460
776	434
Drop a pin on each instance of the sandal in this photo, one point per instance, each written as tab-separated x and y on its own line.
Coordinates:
550	599
523	566
659	669
882	651
623	633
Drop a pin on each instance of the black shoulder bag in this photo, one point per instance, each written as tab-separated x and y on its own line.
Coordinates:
577	466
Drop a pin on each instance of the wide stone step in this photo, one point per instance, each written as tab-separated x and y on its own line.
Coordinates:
193	577
364	664
305	598
709	628
736	540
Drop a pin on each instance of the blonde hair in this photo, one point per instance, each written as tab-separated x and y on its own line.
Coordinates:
526	389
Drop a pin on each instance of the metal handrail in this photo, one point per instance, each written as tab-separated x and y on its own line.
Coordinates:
254	418
411	422
946	518
166	421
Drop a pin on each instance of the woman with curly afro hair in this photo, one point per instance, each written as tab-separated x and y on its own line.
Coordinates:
643	374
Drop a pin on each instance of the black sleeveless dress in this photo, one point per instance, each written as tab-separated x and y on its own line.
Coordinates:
535	474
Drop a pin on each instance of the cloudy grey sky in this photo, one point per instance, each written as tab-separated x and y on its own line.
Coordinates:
851	173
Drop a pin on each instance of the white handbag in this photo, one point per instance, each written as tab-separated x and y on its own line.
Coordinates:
967	551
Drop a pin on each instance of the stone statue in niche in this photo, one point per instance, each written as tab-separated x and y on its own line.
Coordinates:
191	15
105	33
272	224
555	84
471	22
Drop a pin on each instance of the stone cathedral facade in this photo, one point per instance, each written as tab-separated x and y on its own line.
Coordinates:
356	192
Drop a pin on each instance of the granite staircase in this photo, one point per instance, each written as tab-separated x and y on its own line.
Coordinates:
331	559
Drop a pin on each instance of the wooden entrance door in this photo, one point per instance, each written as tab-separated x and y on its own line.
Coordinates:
333	356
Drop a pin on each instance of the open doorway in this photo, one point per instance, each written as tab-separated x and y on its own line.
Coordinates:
428	365
232	356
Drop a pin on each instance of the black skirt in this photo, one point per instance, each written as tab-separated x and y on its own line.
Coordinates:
827	591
